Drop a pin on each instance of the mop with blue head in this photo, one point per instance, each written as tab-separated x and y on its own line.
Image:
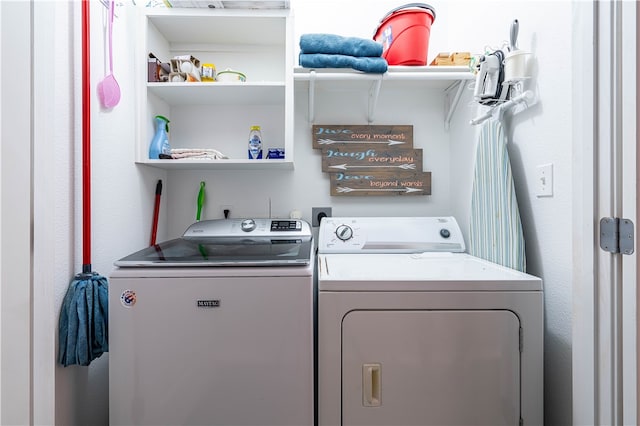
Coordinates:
83	329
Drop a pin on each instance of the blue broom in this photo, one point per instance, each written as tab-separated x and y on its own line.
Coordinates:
83	324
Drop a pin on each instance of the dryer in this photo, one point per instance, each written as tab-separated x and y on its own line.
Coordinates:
413	331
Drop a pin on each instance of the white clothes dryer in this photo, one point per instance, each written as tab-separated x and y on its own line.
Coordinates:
413	331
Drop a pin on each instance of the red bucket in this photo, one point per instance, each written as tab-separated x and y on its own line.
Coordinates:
404	34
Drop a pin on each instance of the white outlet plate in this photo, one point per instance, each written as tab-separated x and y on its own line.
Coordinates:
316	212
545	180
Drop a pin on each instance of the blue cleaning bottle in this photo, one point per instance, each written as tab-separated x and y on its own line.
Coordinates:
255	143
160	142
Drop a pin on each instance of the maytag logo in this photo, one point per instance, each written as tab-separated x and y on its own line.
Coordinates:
208	303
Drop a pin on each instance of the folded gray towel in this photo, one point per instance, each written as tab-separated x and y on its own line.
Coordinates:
364	64
339	45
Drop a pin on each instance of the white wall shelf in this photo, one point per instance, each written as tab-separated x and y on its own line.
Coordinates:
439	77
217	93
231	164
218	115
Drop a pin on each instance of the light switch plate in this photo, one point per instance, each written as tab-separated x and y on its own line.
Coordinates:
545	180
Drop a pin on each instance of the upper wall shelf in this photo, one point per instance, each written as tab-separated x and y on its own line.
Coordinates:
439	77
217	115
217	93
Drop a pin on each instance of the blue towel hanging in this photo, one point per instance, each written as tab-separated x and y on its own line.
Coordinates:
495	226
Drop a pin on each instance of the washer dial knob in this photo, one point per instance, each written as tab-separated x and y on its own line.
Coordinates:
344	232
248	225
445	233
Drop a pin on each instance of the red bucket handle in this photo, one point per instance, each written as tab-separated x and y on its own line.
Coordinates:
411	5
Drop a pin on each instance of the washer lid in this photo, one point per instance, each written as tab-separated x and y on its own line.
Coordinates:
231	242
418	272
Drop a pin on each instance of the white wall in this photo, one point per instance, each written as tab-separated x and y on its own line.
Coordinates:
123	192
541	134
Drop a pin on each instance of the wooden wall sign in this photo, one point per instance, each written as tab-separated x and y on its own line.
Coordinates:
371	160
336	159
381	183
347	135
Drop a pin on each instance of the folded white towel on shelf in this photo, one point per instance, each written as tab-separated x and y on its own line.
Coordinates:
197	153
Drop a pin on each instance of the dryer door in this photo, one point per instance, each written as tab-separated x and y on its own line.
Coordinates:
431	367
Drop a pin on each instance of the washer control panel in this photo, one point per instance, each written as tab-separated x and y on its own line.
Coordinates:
240	229
389	235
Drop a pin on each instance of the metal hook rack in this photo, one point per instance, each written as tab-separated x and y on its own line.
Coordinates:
526	98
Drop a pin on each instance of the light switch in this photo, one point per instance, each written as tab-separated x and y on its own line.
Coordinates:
545	180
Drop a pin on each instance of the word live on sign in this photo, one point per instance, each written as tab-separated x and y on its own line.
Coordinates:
326	136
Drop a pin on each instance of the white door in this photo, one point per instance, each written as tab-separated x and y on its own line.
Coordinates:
15	216
605	284
616	153
432	367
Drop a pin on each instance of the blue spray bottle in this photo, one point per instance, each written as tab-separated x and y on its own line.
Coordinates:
160	142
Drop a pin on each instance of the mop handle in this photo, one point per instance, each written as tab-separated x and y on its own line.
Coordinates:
156	211
86	141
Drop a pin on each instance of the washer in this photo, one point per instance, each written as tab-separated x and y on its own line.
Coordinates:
413	331
215	327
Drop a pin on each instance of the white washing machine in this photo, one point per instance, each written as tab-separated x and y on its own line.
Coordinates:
413	331
215	328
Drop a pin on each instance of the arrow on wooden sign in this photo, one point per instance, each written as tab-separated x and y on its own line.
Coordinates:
400	166
345	189
332	141
394	183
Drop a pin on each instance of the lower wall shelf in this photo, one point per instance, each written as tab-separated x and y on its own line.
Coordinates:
231	164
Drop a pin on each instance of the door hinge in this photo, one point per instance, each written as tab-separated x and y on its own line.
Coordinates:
617	235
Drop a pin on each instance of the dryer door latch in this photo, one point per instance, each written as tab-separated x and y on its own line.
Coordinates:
617	235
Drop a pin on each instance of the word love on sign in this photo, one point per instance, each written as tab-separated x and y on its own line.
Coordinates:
370	136
338	159
418	183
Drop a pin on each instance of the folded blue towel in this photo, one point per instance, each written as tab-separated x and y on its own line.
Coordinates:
84	320
339	45
364	64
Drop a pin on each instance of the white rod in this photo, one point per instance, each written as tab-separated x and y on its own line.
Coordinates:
347	76
374	92
312	92
525	97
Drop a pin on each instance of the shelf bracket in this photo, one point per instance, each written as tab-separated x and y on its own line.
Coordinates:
312	95
374	92
450	108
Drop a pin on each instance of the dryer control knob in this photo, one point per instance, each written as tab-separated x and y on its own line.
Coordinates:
444	233
248	225
344	232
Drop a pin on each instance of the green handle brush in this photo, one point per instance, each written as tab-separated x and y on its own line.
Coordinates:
200	201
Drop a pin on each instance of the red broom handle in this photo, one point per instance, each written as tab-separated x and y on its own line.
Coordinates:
86	140
156	211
